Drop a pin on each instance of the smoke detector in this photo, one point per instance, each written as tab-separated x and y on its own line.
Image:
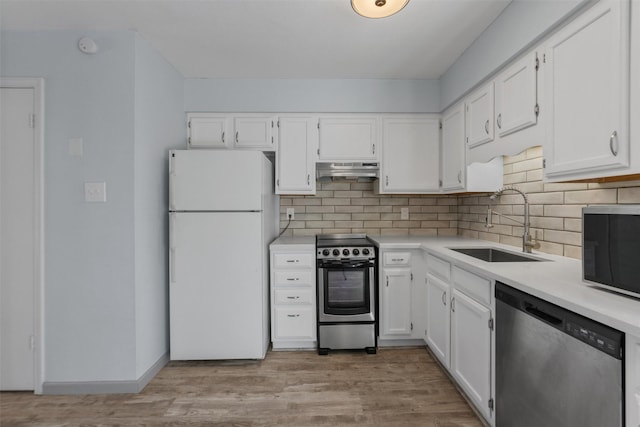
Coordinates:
87	45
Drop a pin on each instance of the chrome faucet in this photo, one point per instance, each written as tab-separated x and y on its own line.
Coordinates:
527	240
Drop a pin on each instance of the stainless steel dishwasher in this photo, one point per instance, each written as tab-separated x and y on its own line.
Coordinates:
555	368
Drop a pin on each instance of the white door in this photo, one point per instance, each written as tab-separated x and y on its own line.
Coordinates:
480	114
587	92
453	149
215	180
396	302
17	239
216	290
255	132
471	349
298	139
348	139
411	155
209	131
438	318
517	96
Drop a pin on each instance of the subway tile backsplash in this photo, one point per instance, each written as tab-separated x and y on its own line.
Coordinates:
555	209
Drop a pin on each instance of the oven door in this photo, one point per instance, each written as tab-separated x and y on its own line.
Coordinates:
346	291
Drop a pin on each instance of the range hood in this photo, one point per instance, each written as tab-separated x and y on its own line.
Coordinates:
359	171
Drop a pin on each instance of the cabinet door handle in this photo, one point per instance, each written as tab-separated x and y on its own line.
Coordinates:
308	179
613	136
499	121
223	137
373	149
387	281
486	126
453	305
459	177
386	180
236	137
444	298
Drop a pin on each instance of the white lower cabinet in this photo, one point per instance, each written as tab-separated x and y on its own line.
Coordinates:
460	329
438	319
471	349
400	317
293	296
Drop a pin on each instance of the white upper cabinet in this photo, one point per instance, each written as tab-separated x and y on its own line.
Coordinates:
208	131
587	94
480	116
348	139
255	132
213	130
453	149
410	155
295	167
516	103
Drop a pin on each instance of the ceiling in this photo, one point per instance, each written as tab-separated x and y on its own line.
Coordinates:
323	39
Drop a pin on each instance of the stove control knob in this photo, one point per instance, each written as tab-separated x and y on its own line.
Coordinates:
336	252
356	252
345	252
365	251
326	252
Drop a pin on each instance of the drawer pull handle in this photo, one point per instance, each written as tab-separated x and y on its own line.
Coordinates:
292	260
293	315
296	297
397	259
292	279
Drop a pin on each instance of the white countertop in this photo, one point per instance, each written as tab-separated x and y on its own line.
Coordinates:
558	281
299	240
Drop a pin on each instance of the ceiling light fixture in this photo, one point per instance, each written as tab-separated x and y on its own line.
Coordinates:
378	8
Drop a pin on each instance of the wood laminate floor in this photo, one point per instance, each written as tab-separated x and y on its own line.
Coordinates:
396	387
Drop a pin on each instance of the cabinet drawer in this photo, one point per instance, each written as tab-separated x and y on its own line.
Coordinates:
438	267
293	296
294	278
295	323
397	258
474	286
294	260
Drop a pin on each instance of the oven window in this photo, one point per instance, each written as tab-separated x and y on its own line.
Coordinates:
347	288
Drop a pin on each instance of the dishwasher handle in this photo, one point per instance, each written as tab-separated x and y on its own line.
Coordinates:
536	312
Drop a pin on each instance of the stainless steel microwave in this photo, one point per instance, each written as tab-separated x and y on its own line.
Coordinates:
611	247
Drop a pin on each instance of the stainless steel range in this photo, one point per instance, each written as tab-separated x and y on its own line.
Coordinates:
347	293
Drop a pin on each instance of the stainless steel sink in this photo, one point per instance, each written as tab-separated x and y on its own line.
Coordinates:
495	255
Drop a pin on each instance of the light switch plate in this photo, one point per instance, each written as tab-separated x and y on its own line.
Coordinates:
404	213
95	192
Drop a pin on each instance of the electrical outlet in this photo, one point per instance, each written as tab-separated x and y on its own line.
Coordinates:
404	213
291	214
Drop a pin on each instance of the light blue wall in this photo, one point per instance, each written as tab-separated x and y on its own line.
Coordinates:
520	24
89	292
159	125
106	316
309	95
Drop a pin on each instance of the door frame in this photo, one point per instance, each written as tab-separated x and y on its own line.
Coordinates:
37	84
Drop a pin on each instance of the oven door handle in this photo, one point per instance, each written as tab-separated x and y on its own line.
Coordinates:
343	265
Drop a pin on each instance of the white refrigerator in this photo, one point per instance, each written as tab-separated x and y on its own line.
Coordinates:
223	215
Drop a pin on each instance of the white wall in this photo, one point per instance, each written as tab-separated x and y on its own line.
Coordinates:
312	95
159	126
105	273
518	27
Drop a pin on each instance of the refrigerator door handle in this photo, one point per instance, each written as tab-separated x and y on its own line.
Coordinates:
172	265
172	248
172	177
